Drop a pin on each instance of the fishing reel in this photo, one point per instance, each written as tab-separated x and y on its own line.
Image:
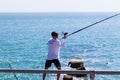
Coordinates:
65	33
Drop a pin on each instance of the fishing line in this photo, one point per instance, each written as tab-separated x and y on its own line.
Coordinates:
92	25
13	73
11	69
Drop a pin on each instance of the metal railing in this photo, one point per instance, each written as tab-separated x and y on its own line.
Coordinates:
91	73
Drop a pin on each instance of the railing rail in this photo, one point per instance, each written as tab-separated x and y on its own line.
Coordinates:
91	73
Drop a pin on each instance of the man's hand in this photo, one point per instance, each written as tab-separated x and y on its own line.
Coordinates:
64	37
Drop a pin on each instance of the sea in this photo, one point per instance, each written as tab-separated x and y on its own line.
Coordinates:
23	38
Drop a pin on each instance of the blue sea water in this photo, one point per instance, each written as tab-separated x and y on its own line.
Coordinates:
23	38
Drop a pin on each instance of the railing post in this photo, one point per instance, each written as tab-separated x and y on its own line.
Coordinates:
92	75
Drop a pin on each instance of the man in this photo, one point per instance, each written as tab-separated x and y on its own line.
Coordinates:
54	46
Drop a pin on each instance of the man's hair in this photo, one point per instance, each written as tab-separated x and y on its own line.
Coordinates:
54	34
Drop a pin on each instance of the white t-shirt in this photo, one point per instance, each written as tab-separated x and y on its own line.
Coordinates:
54	46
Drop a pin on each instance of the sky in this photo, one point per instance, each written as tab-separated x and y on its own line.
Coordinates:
59	5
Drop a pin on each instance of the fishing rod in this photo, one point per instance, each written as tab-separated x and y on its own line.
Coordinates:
66	34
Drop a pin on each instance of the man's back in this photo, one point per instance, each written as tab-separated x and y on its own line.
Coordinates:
53	49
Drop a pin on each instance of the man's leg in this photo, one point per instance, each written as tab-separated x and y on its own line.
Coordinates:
47	65
58	66
58	75
44	74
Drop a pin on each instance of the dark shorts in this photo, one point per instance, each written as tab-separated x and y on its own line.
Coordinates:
55	61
